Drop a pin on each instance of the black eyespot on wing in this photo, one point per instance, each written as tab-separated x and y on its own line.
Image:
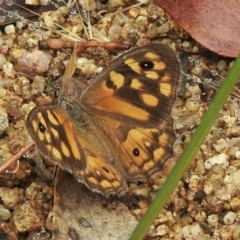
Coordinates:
136	152
146	65
41	128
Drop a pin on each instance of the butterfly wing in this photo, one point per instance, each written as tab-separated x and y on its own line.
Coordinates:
138	88
141	152
56	138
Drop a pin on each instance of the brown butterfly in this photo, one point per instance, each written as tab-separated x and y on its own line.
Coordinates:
119	128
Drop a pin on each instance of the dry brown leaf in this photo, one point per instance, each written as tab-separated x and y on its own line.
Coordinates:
214	24
81	214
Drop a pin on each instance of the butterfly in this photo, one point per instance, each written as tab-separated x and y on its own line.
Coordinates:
118	129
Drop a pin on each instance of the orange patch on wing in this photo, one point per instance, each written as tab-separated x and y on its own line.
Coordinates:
158	154
158	65
102	91
163	139
153	75
165	89
148	165
117	79
114	105
136	84
152	56
166	78
149	99
134	65
61	117
55	152
67	125
65	150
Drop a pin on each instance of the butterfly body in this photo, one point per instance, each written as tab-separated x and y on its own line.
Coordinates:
119	128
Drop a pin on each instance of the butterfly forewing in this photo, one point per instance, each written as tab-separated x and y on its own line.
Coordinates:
52	130
138	88
56	137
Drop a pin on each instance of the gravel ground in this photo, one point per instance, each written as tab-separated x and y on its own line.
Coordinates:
206	203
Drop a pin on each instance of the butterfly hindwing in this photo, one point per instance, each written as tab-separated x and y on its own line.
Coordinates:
141	152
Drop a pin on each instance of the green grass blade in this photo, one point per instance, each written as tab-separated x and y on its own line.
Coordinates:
189	152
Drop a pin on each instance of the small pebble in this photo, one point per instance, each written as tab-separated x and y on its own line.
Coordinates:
134	12
28	216
9	29
221	145
197	70
163	29
232	181
222	65
229	218
86	66
213	220
236	231
208	187
114	32
197	231
5	214
4	49
51	18
88	5
152	30
33	63
19	25
34	192
185	232
3	120
10	197
235	203
221	159
186	44
3	60
115	3
32	2
9	70
120	19
194	182
162	230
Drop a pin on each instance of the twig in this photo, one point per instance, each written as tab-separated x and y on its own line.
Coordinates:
16	156
59	43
